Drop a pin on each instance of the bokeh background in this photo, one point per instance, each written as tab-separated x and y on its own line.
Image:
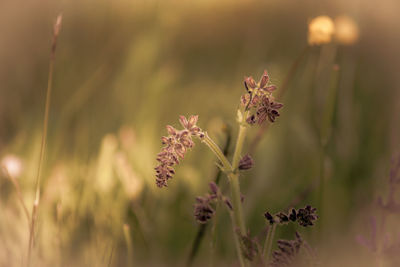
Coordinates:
125	69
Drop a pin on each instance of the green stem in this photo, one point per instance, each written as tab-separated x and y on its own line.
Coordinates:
325	136
237	242
235	190
214	235
239	146
218	153
233	175
268	243
236	202
203	227
269	228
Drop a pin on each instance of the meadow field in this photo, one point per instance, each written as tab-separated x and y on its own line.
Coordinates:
199	133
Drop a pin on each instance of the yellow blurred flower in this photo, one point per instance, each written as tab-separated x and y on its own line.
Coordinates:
346	30
320	30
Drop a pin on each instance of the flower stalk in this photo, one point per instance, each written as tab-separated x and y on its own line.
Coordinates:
257	106
227	167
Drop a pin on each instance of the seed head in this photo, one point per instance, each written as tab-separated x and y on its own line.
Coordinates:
268	109
307	216
304	217
259	100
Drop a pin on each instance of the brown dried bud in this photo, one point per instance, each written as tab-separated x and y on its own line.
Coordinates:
250	83
214	188
283	218
271	88
203	211
269	217
264	80
251	119
228	203
293	215
171	130
246	162
268	109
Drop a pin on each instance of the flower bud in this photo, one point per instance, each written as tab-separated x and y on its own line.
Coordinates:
246	162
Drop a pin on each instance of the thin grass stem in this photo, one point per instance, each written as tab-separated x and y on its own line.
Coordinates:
128	240
56	31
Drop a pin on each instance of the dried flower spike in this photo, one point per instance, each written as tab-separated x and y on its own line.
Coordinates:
176	145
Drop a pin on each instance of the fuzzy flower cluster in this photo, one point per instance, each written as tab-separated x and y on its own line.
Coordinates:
259	101
304	217
176	144
203	210
287	252
249	246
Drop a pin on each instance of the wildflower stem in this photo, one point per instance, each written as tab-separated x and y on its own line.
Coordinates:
236	202
235	188
34	215
268	243
218	153
269	228
214	235
237	216
237	242
239	146
325	134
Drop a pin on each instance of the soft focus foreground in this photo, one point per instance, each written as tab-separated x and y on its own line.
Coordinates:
123	70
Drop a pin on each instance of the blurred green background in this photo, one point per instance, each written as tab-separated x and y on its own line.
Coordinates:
125	69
